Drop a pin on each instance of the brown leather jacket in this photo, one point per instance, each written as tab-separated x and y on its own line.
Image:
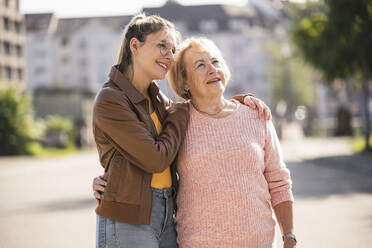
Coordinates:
130	149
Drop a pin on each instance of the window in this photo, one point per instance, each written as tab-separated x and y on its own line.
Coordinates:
84	80
8	72
7	48
208	26
64	41
83	63
20	74
39	70
40	54
237	24
19	50
65	59
83	44
17	27
6	23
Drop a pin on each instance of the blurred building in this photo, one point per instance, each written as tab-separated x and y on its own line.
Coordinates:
78	52
12	44
71	52
241	33
68	59
86	49
40	50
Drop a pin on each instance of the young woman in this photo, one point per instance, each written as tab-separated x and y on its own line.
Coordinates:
138	139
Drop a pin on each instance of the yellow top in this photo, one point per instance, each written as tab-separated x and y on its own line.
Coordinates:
160	180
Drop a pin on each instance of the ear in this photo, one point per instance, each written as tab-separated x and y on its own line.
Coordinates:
134	44
187	88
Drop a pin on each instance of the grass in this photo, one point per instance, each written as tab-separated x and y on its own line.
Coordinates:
358	144
37	150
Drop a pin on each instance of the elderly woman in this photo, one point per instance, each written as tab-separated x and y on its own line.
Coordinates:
230	165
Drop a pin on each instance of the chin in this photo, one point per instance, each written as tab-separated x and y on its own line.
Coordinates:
159	76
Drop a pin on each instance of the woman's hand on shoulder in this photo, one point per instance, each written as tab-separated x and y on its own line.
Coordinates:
262	108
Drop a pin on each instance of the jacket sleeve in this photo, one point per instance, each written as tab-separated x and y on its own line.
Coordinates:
276	173
122	128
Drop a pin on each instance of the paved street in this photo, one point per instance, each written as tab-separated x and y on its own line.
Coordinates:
47	203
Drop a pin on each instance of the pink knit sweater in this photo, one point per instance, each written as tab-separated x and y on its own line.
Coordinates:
231	173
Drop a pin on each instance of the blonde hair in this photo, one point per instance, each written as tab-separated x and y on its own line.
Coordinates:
139	27
178	75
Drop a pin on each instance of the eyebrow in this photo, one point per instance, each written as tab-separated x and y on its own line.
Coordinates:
199	60
202	60
166	42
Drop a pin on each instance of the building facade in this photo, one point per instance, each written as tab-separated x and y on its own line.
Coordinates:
12	44
40	50
240	32
78	52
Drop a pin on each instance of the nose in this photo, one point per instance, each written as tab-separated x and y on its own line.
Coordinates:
170	55
211	68
170	58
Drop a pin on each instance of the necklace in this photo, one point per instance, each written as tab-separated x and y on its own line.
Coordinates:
219	111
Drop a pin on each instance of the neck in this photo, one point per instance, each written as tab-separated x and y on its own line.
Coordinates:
210	106
140	82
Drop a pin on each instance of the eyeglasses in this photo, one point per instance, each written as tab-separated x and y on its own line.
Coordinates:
165	49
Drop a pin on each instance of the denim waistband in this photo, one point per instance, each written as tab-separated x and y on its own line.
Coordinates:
164	193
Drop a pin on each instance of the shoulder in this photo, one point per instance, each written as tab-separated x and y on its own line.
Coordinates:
109	93
248	112
249	118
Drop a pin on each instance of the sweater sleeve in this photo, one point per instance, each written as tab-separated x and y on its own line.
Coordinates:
276	173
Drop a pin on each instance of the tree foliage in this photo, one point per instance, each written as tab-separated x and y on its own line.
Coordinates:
15	122
335	36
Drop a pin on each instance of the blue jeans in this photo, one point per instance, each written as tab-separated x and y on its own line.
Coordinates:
161	233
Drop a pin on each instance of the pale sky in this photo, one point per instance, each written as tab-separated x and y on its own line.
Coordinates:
79	8
70	8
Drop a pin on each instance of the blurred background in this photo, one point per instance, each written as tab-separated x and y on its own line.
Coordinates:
310	61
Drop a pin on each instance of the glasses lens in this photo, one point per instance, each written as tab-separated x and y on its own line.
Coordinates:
164	50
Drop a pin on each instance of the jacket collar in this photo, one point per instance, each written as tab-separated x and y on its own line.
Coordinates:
123	83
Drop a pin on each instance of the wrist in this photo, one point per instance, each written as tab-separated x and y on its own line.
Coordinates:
289	236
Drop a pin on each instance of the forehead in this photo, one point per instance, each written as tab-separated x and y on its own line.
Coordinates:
164	35
194	54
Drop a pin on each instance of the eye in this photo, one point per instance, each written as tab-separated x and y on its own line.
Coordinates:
162	45
200	65
216	62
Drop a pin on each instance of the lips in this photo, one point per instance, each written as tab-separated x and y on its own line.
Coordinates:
214	80
163	65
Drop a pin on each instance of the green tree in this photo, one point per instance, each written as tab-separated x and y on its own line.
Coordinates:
15	121
335	36
290	77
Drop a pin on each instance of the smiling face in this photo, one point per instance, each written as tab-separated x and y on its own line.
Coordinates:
205	73
153	58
